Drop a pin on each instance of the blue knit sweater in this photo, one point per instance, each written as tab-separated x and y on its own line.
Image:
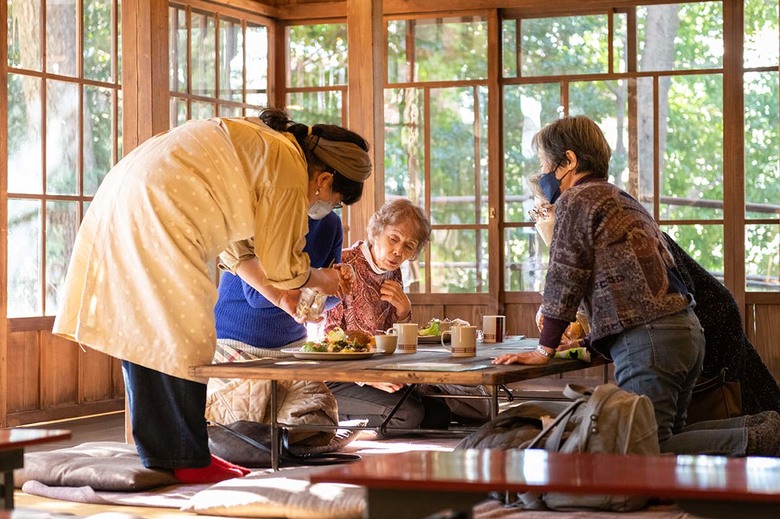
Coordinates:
243	314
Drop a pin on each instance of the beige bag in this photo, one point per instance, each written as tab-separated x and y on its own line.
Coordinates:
606	419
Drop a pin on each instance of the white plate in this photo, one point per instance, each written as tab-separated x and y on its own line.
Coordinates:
328	355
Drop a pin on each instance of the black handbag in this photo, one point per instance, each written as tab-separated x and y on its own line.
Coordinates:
715	399
248	444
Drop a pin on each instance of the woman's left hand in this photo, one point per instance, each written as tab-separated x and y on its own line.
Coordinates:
527	357
392	292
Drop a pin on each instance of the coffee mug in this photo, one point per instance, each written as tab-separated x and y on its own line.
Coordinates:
493	328
407	336
464	341
386	344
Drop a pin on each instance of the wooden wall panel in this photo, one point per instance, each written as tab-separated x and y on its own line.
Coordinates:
763	331
23	380
96	375
59	371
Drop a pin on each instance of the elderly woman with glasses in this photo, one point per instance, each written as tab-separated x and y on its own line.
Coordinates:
139	285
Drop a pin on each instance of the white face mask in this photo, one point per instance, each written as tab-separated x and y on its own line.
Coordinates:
320	209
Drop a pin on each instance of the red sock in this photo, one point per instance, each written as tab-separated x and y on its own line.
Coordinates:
211	474
225	463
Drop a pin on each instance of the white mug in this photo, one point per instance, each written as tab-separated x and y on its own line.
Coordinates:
493	328
407	336
464	341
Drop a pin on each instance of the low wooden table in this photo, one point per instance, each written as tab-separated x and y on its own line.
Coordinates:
420	483
406	369
12	444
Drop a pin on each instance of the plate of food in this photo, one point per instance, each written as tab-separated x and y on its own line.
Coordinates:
337	345
431	334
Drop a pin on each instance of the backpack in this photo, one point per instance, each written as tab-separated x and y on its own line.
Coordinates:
605	419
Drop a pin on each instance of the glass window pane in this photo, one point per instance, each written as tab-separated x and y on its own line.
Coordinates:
178	114
230	111
761	33
98	40
257	102
231	60
317	54
62	222
315	107
24	265
398	61
680	36
527	108
450	49
564	45
526	259
25	173
98	130
762	172
24	34
256	64
619	42
606	102
509	47
704	243
645	143
405	144
458	187
62	43
177	48
459	261
762	261
203	55
692	148
202	110
62	137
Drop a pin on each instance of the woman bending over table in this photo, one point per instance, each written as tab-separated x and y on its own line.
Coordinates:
138	285
609	254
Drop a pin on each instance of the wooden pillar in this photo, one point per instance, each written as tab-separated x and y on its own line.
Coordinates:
3	223
734	152
145	89
366	43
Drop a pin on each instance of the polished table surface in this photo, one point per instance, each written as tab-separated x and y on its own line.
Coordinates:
371	369
21	437
421	483
711	477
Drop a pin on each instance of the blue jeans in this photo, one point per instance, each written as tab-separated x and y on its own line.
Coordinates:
662	360
167	415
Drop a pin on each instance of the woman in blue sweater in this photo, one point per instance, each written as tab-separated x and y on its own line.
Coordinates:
248	321
250	325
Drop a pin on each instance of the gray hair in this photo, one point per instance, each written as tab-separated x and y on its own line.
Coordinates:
398	211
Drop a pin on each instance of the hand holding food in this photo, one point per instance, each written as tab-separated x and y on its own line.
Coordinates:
347	275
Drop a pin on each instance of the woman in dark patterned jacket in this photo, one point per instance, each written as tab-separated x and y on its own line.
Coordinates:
608	254
727	346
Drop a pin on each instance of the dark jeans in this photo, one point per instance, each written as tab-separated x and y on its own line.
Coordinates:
374	404
167	415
